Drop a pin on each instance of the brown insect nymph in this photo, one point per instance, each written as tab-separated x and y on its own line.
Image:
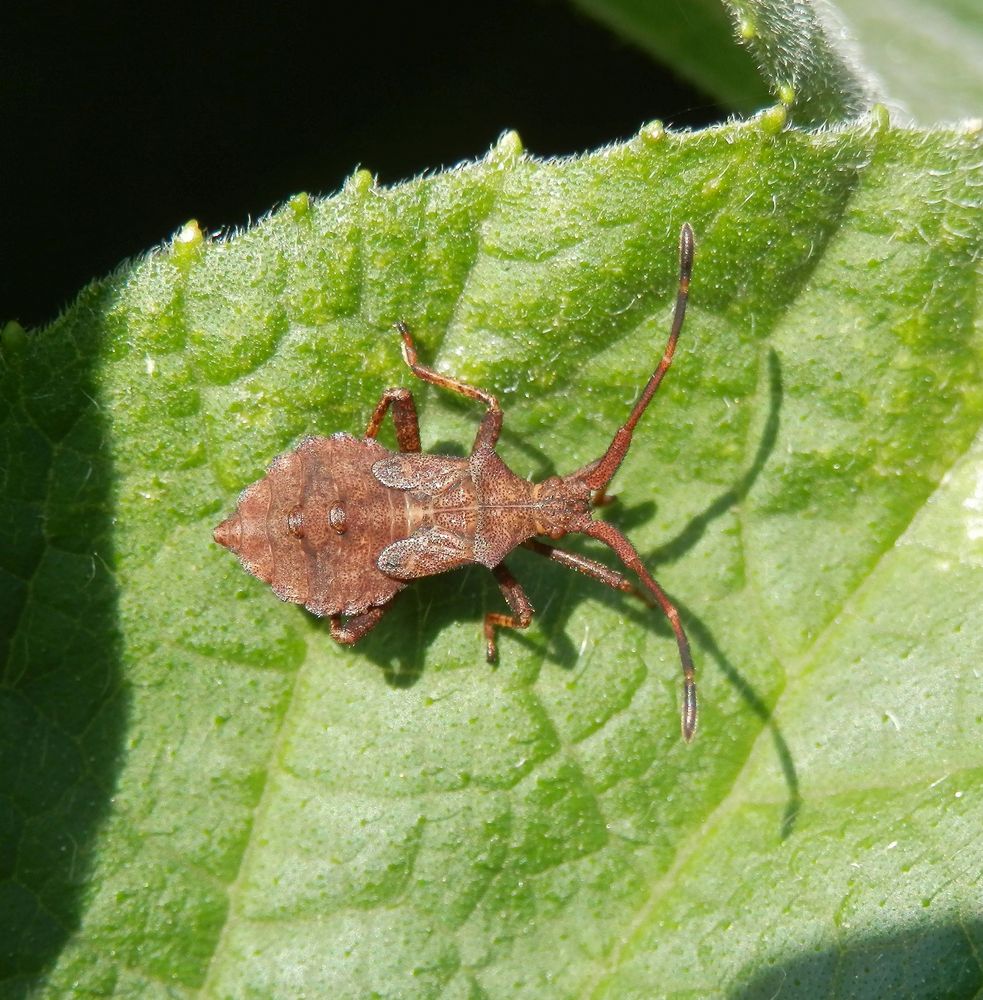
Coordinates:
342	524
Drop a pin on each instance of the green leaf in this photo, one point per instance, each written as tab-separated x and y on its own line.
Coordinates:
205	796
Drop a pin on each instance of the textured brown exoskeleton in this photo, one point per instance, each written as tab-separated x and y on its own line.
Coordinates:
341	524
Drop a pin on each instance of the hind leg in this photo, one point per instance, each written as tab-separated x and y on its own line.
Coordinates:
355	627
491	424
404	418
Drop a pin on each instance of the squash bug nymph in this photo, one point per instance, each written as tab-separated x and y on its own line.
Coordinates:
341	524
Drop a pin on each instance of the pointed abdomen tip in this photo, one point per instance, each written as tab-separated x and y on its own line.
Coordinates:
228	533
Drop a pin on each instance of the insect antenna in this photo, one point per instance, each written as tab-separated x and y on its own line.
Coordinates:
599	473
606	532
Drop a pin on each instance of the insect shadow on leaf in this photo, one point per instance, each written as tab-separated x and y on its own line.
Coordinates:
690	536
698	524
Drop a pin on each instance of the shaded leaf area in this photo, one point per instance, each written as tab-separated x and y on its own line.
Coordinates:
63	702
273	815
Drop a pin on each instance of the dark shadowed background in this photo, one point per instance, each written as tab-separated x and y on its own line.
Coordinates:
120	122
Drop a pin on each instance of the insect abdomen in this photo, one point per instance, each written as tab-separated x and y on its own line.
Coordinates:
314	524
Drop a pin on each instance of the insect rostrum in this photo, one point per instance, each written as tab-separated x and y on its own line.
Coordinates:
342	524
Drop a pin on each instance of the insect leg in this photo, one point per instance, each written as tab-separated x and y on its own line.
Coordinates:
599	473
589	567
602	498
491	425
523	611
355	627
404	418
606	532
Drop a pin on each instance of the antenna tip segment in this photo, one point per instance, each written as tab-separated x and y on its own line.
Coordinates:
687	245
689	714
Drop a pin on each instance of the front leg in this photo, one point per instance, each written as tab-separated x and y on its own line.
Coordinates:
517	601
583	564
